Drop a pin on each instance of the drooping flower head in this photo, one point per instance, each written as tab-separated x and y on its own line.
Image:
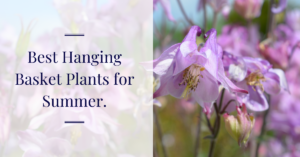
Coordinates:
260	78
188	70
240	126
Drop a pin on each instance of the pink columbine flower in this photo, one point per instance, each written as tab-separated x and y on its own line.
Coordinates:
188	70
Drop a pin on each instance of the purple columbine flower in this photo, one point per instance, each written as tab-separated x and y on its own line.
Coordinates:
260	78
189	70
279	51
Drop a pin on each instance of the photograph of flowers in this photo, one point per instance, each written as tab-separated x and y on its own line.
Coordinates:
227	78
150	78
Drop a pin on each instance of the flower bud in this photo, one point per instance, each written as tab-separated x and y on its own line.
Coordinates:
239	127
248	8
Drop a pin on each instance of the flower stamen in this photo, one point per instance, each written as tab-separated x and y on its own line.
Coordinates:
255	79
191	78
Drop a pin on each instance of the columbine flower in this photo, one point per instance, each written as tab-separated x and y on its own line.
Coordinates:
166	6
187	70
235	67
278	51
248	8
239	127
260	78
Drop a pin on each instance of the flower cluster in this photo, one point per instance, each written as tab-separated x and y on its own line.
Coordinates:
248	65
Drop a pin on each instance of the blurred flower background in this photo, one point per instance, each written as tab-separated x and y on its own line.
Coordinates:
113	26
255	43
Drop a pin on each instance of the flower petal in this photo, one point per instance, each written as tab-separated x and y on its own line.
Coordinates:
211	64
181	62
257	64
163	88
272	83
211	42
207	89
192	34
226	82
187	47
257	100
162	64
212	52
173	86
234	67
282	78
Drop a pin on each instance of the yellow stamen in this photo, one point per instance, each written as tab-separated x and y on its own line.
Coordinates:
256	79
191	78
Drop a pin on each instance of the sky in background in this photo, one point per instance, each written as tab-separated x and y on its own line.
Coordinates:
42	11
12	11
47	17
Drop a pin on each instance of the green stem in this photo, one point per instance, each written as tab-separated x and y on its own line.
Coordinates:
209	125
158	128
184	13
271	20
204	15
228	103
217	124
215	18
197	145
221	100
263	128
